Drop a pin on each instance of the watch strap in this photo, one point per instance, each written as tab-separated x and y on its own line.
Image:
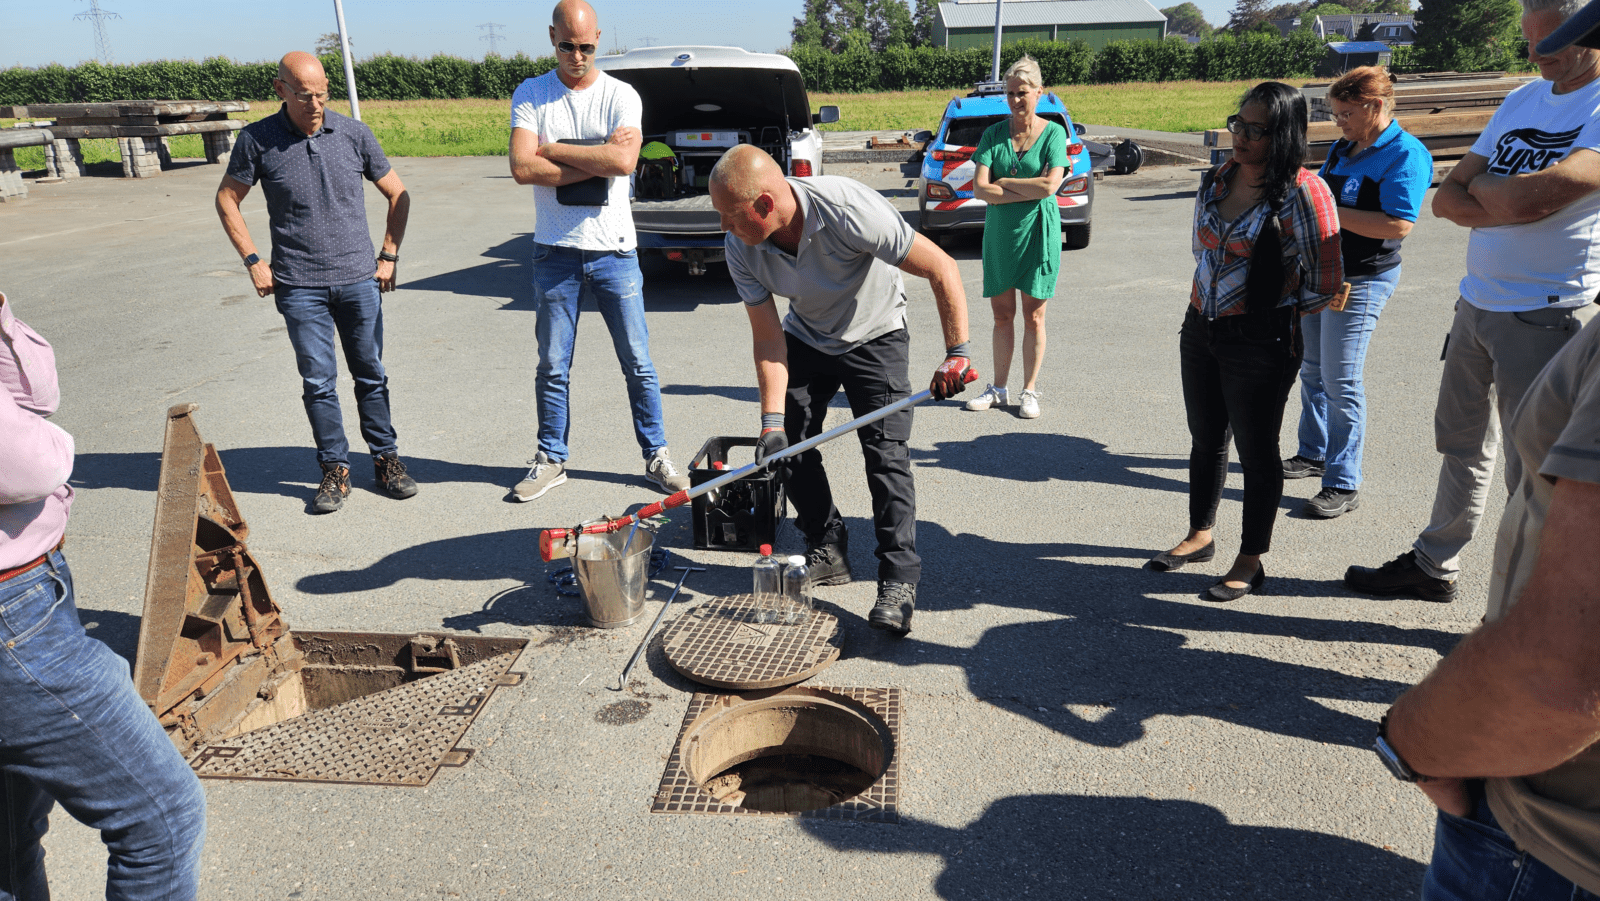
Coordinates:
1391	758
389	257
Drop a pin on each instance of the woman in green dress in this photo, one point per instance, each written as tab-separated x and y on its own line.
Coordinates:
1020	163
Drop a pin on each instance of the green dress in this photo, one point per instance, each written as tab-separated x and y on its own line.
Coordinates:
1021	241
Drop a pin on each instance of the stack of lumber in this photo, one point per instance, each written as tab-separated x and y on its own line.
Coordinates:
133	118
1430	96
1448	136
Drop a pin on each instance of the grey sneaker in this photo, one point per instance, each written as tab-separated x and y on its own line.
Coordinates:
545	475
990	398
892	612
334	489
662	474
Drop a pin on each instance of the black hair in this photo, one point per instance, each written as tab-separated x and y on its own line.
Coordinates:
1286	127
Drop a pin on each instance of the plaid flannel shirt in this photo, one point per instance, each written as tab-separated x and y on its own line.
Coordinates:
1313	261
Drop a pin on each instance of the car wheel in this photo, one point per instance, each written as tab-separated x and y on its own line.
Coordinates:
1076	237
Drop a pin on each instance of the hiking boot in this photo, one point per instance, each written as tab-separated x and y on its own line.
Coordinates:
892	612
829	564
1298	467
1331	502
991	397
1028	404
662	474
392	478
334	489
1400	576
545	475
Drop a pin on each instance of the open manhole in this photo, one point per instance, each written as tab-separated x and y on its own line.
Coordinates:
243	697
831	753
722	644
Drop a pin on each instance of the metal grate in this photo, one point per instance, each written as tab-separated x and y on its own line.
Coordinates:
400	736
720	644
880	803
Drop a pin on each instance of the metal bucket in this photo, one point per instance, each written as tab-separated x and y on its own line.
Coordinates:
612	578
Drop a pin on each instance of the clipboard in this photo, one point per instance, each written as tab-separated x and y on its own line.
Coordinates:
594	191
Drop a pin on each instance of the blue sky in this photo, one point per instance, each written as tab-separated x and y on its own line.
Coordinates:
37	32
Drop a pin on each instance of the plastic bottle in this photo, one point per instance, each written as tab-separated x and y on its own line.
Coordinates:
796	603
768	588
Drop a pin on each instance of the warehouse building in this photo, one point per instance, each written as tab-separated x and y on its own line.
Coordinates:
960	24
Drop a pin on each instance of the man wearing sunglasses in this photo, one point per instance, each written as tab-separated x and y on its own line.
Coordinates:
575	137
324	276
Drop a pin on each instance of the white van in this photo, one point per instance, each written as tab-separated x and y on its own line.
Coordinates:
699	101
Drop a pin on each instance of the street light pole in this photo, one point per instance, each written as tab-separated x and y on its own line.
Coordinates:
994	73
350	67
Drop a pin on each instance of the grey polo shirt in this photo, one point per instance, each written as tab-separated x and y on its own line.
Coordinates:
314	195
843	282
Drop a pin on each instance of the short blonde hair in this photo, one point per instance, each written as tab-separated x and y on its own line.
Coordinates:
1026	70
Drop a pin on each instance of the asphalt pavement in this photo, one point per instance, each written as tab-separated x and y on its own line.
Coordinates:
1075	726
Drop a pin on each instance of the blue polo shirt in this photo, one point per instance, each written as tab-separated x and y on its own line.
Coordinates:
1391	176
314	195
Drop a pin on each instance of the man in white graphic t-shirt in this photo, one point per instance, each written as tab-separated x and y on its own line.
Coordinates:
1528	192
575	137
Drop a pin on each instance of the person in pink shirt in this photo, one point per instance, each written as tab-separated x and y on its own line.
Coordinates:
75	730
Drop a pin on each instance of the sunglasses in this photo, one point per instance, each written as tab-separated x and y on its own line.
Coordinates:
568	47
1238	126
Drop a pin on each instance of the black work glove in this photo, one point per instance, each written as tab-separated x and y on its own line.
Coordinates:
772	441
951	377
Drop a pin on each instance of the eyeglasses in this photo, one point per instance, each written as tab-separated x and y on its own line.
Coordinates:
1238	126
568	47
1341	118
311	98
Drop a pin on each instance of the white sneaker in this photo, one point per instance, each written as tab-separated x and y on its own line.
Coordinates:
1028	404
991	397
664	475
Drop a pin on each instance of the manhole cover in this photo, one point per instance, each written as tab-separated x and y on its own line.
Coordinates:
400	736
794	752
720	644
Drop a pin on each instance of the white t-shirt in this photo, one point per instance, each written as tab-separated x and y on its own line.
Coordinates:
1554	262
554	111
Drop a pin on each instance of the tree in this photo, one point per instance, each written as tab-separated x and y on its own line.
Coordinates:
1328	9
328	43
1468	35
811	29
922	23
889	23
1398	7
1247	14
1186	18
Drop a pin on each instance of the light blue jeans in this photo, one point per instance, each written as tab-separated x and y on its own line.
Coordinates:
75	731
561	278
1333	399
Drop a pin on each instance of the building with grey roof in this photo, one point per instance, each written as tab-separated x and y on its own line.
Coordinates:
960	24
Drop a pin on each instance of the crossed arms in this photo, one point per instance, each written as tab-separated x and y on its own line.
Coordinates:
1470	196
553	164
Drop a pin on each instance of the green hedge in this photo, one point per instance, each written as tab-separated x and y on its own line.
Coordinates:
378	78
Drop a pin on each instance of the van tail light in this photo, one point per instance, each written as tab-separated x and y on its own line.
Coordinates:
802	168
953	156
938	190
1073	186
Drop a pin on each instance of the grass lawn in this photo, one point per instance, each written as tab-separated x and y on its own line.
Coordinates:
482	127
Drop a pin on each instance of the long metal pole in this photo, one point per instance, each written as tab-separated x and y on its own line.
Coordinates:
350	66
994	73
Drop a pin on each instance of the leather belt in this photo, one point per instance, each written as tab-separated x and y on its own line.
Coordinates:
8	574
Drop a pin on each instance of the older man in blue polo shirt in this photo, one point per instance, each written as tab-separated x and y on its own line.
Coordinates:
310	162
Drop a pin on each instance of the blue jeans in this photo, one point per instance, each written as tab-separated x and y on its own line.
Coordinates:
76	731
1333	399
354	315
1475	860
560	277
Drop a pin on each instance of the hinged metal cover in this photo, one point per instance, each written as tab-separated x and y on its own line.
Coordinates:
722	644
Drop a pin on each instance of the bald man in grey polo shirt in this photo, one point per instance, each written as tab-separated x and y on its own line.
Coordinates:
836	249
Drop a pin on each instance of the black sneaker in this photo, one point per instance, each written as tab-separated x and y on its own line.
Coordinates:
334	489
892	612
1298	467
391	475
1331	502
829	564
1399	576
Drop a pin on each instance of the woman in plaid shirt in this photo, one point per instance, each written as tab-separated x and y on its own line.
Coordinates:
1266	247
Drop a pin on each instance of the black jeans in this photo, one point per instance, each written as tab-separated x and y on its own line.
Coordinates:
873	376
1237	372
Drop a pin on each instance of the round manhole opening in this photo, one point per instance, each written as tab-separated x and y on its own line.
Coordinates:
797	750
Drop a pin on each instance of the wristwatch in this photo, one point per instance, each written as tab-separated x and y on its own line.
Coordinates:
251	260
1391	758
390	257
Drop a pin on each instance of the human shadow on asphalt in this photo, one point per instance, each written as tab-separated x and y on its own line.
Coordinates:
116	630
1108	655
1071	846
1042	457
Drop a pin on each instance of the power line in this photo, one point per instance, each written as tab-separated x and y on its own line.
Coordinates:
102	41
493	39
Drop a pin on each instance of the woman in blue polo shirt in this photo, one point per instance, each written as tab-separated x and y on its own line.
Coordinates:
1378	175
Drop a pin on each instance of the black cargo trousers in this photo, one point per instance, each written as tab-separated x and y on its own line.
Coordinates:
873	376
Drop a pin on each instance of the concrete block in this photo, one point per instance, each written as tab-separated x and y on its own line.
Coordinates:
219	145
63	158
11	182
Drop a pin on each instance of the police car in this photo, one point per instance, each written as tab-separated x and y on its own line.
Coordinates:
944	193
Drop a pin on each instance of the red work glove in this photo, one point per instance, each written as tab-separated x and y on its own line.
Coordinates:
952	377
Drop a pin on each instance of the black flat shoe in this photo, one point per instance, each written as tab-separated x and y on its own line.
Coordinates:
1222	593
1165	563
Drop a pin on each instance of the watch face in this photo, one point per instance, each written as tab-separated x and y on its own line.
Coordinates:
1392	760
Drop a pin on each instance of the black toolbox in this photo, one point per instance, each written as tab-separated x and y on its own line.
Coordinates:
742	515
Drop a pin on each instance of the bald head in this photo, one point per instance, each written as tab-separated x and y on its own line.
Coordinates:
573	16
300	67
751	197
745	173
